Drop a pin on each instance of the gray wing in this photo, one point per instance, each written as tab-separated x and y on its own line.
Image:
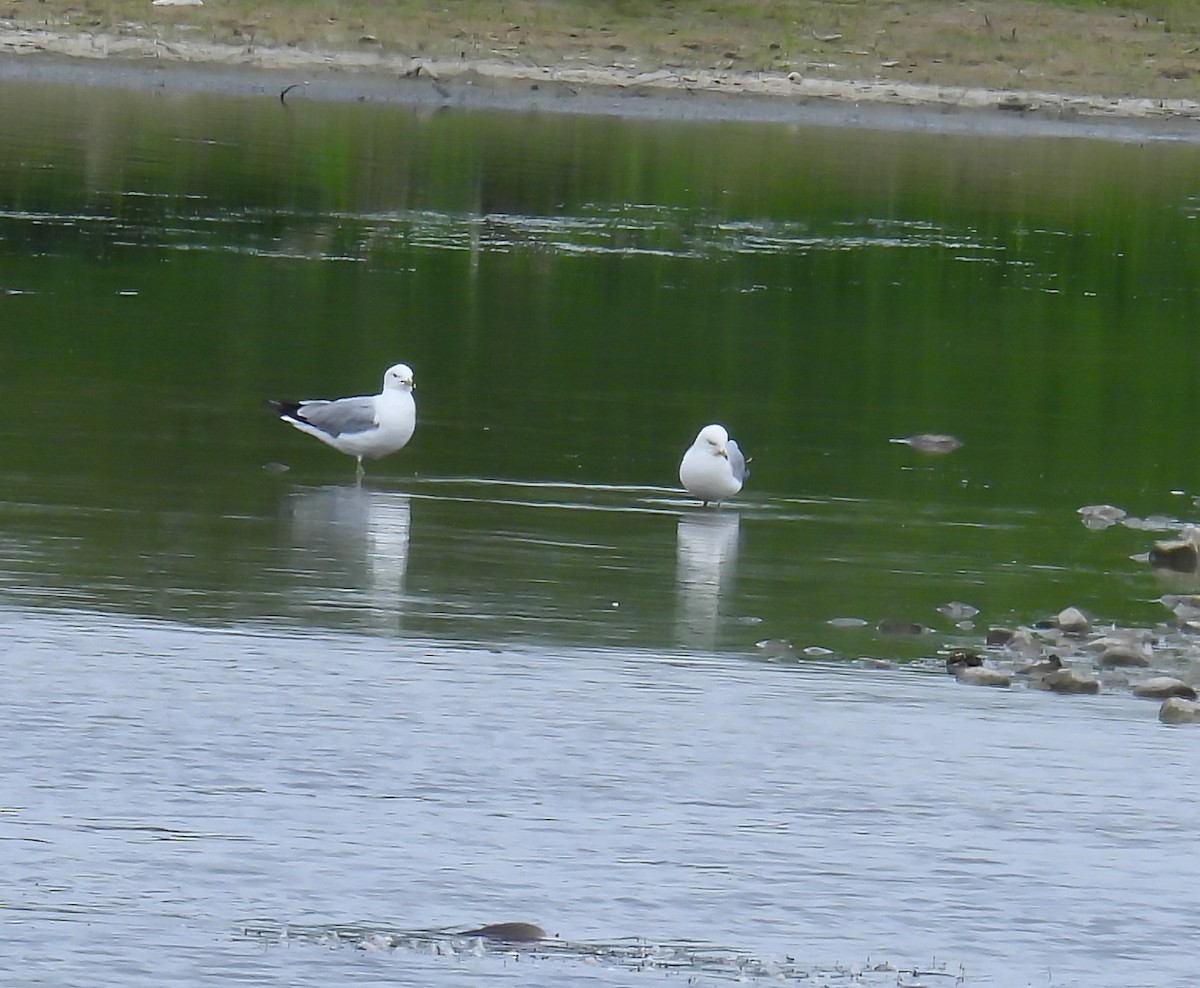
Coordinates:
338	417
737	462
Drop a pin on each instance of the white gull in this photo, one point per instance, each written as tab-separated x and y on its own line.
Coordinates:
371	426
713	468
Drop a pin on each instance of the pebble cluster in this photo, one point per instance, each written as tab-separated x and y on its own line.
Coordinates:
1069	654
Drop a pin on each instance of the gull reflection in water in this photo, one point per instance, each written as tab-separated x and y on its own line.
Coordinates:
353	548
706	556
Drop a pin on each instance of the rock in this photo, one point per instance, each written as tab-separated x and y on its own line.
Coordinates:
1136	637
1052	664
1073	621
1185	607
1024	642
847	622
999	636
982	676
956	610
1108	512
775	648
1161	687
1122	654
1101	516
1175	710
1179	556
956	662
1066	681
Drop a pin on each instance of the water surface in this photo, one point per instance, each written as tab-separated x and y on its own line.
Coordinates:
516	675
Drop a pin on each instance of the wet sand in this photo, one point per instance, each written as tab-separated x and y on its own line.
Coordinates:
568	87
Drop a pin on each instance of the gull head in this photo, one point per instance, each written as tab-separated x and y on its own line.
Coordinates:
398	376
713	439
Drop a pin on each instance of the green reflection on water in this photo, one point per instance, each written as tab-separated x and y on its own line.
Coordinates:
578	296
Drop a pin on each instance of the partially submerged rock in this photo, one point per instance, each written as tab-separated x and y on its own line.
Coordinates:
1073	621
1161	687
1099	516
1185	607
1066	681
1052	663
775	648
1176	710
956	610
999	636
1180	555
962	659
1124	654
890	626
1024	642
982	676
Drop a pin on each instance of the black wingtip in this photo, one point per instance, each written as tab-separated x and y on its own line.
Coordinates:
284	408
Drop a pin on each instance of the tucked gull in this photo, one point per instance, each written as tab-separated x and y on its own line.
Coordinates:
370	426
713	468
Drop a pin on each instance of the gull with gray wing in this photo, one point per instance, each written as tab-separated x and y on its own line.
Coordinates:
370	426
713	468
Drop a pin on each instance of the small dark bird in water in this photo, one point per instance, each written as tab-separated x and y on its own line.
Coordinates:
509	932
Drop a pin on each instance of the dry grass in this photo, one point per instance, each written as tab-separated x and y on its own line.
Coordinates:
1144	48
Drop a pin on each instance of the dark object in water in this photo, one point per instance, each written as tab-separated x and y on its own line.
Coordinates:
930	442
509	932
287	89
1180	556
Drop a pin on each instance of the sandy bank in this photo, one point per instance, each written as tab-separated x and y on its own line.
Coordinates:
575	87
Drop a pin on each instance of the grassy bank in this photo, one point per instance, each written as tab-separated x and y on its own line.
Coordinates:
1141	47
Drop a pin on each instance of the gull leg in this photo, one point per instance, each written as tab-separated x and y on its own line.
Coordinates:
359	472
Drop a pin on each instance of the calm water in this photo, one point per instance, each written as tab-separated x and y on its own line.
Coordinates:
515	676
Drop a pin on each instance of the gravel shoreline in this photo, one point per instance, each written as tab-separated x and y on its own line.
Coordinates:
139	62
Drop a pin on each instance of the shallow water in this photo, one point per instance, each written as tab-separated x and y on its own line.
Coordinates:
517	675
171	786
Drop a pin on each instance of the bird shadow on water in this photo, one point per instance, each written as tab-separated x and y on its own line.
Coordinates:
632	954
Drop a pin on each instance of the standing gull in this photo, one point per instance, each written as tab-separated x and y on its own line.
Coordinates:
713	468
370	426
